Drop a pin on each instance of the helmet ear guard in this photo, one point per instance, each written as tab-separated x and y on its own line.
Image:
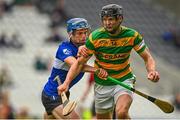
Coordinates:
112	10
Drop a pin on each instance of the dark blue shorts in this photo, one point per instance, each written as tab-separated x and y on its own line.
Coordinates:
51	102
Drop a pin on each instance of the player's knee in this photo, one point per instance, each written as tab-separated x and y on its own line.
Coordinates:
122	113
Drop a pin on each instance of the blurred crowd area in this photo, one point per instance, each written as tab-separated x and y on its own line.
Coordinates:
31	30
13	41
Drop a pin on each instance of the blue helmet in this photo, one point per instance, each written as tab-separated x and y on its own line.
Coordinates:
77	23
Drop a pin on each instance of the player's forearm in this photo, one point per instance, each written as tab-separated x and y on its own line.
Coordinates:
150	64
88	68
148	59
74	70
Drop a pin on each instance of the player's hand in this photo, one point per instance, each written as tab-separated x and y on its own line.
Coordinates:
82	51
101	73
153	76
62	88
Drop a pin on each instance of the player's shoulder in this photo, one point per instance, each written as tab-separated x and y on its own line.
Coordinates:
64	44
129	31
65	48
98	33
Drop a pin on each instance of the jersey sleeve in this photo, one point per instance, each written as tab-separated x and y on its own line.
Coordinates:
64	52
139	44
89	45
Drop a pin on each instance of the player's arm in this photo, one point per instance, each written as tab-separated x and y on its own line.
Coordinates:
141	48
153	75
82	51
86	68
85	52
74	70
70	60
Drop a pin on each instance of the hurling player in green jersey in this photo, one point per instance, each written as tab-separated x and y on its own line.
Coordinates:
112	45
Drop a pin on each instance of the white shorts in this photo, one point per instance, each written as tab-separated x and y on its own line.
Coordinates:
107	96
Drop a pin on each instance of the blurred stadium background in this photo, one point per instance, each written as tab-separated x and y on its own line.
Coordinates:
30	31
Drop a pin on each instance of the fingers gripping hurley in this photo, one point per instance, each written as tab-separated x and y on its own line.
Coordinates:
163	105
68	106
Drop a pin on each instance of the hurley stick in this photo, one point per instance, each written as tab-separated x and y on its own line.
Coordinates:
163	105
68	106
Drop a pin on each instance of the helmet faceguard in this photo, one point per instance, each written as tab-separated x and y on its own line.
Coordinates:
76	24
112	10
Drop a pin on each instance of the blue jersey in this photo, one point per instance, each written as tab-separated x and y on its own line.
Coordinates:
66	49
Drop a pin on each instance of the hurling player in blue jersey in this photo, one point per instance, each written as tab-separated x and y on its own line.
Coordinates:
78	30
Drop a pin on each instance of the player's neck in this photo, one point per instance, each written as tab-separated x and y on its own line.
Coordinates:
116	32
75	44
